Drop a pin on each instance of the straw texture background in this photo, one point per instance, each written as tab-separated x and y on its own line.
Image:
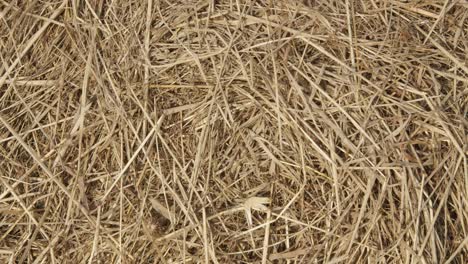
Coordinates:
233	131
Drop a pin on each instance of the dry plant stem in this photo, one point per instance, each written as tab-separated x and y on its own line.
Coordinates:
31	41
233	131
38	160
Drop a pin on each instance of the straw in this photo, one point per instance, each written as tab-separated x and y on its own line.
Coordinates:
230	131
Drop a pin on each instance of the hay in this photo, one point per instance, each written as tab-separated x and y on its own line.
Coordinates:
233	131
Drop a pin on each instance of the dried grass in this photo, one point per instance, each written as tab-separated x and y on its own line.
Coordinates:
233	131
